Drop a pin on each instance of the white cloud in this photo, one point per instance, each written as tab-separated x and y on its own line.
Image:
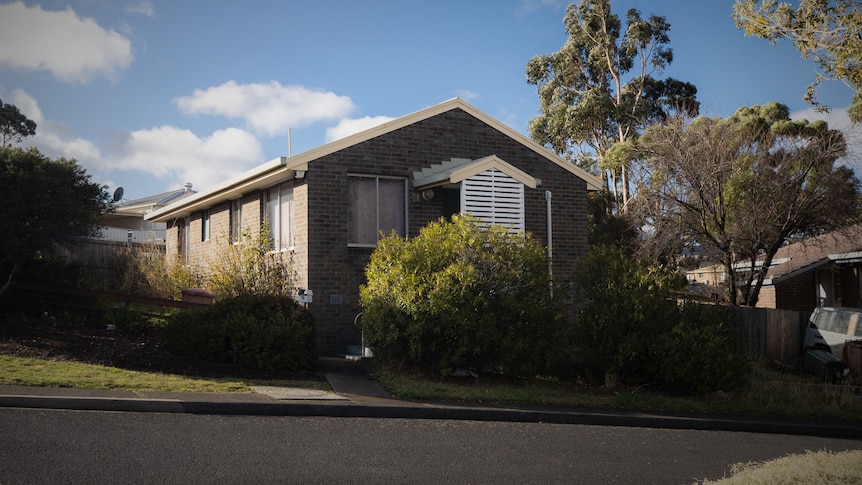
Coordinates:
168	153
349	126
465	94
269	109
141	8
51	137
530	6
838	119
71	48
172	153
28	105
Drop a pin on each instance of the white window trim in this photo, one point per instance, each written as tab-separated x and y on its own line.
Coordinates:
235	221
278	247
206	226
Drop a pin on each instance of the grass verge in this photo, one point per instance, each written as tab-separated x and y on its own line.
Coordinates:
36	372
770	393
821	467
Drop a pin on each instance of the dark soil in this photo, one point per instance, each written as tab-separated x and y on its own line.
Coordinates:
139	350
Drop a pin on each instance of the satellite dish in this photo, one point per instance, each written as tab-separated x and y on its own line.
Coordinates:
118	194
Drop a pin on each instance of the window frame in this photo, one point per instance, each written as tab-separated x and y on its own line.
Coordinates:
206	225
235	216
183	233
274	213
377	178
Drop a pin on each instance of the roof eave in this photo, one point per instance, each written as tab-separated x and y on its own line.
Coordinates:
260	177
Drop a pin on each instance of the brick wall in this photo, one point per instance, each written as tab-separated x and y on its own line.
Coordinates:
850	285
766	298
798	294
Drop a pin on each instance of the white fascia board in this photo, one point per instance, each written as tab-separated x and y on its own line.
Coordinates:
492	162
257	178
851	257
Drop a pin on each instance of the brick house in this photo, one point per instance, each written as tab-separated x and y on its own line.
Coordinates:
822	271
327	206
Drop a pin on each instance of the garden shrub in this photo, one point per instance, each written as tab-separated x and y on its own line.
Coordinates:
250	267
262	332
633	331
151	274
464	296
699	355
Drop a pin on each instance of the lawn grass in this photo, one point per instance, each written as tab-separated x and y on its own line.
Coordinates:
45	373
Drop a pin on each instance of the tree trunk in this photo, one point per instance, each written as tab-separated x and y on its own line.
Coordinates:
13	275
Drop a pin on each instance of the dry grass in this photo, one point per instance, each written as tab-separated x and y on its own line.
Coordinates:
811	468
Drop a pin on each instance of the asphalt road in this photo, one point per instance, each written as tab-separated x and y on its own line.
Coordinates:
84	447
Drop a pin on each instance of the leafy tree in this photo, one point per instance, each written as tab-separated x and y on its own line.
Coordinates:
45	203
827	31
599	88
739	188
14	126
462	296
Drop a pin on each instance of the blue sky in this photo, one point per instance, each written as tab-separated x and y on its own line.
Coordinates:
149	95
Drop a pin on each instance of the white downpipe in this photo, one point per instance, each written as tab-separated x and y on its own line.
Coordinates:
550	242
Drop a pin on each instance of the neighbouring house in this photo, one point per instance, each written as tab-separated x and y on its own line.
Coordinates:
824	271
707	283
126	222
124	228
327	207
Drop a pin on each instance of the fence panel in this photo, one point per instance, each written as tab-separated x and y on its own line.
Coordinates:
775	335
785	330
750	326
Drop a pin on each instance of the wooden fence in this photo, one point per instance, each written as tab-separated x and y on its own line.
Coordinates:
104	260
774	335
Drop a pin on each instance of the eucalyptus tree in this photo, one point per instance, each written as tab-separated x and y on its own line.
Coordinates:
14	125
601	87
739	188
829	32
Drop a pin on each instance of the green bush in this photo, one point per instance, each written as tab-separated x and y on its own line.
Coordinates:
699	355
462	296
632	331
259	332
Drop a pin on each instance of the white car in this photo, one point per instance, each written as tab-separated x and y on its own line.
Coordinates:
830	327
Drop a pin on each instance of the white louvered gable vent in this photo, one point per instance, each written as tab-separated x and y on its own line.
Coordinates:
495	198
